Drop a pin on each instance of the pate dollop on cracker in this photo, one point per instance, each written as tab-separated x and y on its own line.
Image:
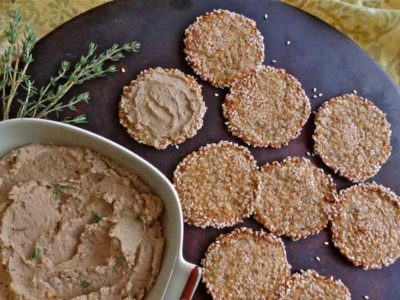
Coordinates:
162	107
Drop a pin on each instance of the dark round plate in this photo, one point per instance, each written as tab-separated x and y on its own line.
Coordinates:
318	56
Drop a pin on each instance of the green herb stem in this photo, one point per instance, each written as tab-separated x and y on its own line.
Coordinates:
36	253
39	103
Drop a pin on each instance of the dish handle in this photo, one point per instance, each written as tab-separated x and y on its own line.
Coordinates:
184	281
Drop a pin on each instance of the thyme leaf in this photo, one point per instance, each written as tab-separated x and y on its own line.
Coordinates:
96	216
58	190
84	284
120	259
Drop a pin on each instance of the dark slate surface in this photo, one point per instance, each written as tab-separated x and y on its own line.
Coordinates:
318	56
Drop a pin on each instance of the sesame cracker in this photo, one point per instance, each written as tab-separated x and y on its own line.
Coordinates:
367	228
311	285
266	108
245	264
217	185
221	46
352	136
296	198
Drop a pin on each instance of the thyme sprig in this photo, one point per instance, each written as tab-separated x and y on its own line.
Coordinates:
48	99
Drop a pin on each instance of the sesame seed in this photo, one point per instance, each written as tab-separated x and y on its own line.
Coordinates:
308	153
123	70
216	94
314	96
176	146
265	16
287	43
317	258
314	90
320	94
326	243
273	61
366	297
355	92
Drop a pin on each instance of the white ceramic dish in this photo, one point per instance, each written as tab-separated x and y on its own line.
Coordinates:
175	271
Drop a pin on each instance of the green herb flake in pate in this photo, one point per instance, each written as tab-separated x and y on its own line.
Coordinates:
120	259
58	190
36	254
96	216
84	284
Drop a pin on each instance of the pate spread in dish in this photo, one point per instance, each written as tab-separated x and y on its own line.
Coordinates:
75	225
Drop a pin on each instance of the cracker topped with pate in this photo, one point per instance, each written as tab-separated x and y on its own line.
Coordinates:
246	264
352	136
311	285
162	107
266	108
217	185
367	227
221	46
297	199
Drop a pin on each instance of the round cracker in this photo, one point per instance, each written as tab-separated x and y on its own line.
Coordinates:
266	108
311	285
297	199
245	265
163	121
367	227
221	46
352	136
217	185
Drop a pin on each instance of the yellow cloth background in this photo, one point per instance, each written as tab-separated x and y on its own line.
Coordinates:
44	15
373	24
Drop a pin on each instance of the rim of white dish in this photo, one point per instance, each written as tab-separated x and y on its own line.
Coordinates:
178	253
